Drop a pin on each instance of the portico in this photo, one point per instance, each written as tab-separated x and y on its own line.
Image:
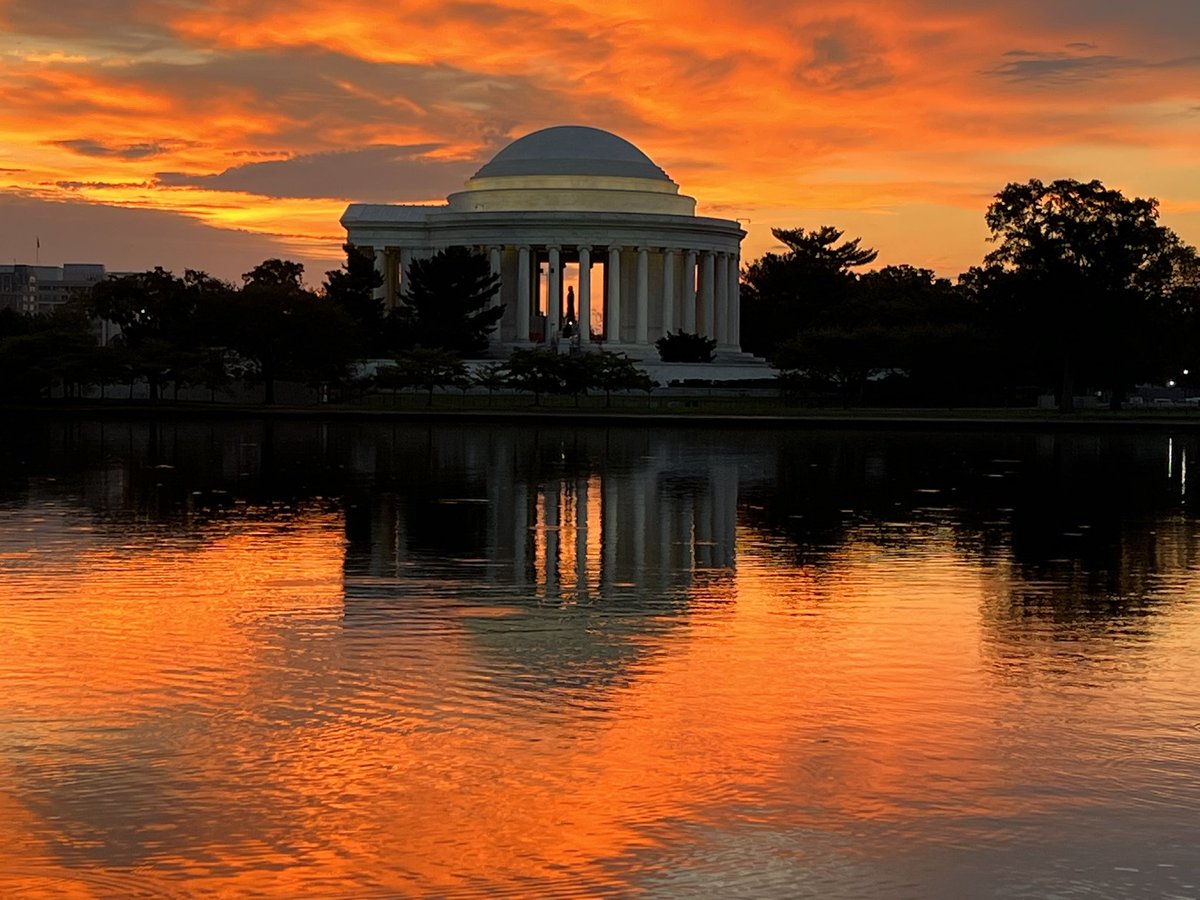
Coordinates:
579	210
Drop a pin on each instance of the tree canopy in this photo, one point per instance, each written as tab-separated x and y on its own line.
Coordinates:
785	293
287	330
1084	274
445	303
352	288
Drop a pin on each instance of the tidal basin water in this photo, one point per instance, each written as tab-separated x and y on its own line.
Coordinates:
305	659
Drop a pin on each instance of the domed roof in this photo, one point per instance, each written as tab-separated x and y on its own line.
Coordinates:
572	150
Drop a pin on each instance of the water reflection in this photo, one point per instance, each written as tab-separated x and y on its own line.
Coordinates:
567	513
294	658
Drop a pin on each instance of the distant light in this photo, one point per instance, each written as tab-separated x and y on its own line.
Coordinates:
1185	371
1171	383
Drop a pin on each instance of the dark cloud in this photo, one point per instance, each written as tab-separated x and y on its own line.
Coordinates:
1059	68
131	240
88	147
375	174
116	26
841	56
81	185
1166	22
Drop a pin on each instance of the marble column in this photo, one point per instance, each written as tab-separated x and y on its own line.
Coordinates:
523	297
735	301
402	274
553	294
707	265
642	334
585	295
612	309
381	266
494	260
688	320
721	290
668	291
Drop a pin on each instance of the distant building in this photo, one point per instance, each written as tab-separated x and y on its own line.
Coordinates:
37	290
40	289
556	209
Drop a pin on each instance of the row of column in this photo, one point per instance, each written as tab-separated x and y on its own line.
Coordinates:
705	302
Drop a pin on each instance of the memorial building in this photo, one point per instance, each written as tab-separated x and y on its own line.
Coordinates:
593	242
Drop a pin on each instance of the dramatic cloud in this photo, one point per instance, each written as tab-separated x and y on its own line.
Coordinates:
257	122
377	174
1062	67
131	151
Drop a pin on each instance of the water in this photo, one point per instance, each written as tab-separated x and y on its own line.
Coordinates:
364	660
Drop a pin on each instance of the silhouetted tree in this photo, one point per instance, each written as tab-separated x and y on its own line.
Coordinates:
1084	273
446	302
155	313
901	322
286	330
785	293
491	378
38	352
535	370
1182	347
617	372
430	368
353	287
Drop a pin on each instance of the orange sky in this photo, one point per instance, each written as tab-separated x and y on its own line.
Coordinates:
213	135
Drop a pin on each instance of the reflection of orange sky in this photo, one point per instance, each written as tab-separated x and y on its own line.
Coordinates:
895	121
396	746
191	613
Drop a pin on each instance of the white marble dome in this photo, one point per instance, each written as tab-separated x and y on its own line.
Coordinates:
572	168
572	150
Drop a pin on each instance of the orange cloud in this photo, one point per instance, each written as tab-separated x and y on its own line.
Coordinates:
775	112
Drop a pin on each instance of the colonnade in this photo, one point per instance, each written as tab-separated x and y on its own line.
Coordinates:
649	290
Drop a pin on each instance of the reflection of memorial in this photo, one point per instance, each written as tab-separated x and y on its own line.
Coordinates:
543	512
590	534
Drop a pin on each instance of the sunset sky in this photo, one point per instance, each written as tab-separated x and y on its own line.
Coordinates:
213	135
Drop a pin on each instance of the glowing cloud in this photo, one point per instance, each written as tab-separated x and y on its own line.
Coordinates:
895	122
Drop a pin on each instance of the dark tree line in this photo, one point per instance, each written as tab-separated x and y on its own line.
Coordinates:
197	330
1084	291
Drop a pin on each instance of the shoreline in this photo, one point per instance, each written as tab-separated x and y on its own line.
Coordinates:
875	419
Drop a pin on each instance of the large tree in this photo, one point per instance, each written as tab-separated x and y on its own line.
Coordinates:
162	319
287	330
36	352
446	303
353	287
801	288
1084	274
